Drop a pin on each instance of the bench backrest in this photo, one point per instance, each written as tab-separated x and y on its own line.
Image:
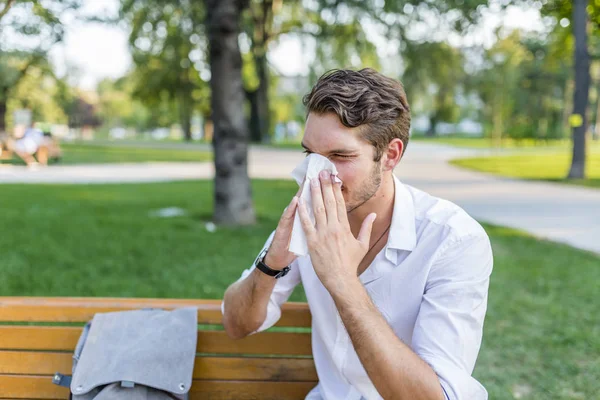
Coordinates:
38	336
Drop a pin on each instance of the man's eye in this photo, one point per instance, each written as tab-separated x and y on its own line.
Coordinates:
341	156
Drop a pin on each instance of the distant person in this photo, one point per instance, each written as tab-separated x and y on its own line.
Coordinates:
32	143
396	279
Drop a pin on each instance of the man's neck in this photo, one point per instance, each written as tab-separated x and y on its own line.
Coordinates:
382	203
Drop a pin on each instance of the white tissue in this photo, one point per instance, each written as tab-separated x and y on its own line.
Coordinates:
303	173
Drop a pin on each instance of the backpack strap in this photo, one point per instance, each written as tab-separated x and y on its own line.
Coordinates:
62	380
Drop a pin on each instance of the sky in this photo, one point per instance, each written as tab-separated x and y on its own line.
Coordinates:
93	51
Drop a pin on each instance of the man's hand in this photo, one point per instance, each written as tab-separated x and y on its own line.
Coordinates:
334	251
278	256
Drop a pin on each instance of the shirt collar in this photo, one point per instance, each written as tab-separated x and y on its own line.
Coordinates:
402	230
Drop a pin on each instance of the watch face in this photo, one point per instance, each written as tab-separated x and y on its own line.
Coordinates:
261	256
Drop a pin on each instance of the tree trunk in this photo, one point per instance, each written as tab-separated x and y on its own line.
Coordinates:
432	126
497	128
260	113
597	119
568	101
185	112
262	96
582	87
2	116
254	123
233	195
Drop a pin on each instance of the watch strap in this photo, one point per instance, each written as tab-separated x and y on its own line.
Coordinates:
260	265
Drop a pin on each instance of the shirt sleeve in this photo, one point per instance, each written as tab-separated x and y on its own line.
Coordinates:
449	326
281	292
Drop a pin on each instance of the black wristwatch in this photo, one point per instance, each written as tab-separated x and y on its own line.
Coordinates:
260	265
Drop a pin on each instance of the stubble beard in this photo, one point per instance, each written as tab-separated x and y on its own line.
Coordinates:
366	190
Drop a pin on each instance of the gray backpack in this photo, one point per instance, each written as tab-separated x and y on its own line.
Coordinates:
135	355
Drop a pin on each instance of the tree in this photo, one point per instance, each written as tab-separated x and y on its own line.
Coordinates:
117	106
337	27
233	196
543	86
259	28
581	15
38	22
166	41
522	81
582	87
434	71
13	68
41	92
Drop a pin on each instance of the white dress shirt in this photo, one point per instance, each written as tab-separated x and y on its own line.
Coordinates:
430	282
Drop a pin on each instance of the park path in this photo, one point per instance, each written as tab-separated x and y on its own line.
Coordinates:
558	212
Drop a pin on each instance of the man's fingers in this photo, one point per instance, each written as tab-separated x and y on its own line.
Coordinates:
286	222
328	197
339	201
317	202
307	224
290	210
299	192
364	236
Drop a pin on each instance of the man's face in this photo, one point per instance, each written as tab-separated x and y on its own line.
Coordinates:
353	157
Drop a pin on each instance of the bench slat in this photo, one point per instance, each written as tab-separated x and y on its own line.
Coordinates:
41	387
79	309
65	338
205	368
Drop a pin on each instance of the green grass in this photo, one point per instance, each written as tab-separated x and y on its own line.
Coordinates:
484	143
542	336
551	167
506	143
102	154
287	145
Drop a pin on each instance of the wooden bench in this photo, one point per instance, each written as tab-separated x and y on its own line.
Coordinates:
38	336
6	155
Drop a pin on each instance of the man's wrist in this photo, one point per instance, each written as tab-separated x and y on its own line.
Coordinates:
269	262
341	288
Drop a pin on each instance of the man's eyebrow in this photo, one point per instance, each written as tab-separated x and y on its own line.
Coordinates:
338	151
342	151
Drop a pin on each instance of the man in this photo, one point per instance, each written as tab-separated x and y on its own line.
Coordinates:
396	279
32	142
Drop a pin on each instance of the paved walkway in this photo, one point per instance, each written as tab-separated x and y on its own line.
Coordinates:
563	213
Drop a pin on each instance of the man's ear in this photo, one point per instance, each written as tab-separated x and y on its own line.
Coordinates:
392	154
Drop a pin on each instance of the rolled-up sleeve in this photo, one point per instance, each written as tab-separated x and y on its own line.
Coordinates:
281	292
449	326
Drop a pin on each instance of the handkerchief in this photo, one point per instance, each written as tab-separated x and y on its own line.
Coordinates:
303	173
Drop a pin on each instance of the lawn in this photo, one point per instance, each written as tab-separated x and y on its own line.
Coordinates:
546	166
485	143
101	154
542	337
506	143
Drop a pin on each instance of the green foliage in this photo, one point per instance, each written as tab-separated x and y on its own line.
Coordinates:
523	86
117	106
166	40
564	9
39	91
28	30
29	82
433	77
36	21
13	67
